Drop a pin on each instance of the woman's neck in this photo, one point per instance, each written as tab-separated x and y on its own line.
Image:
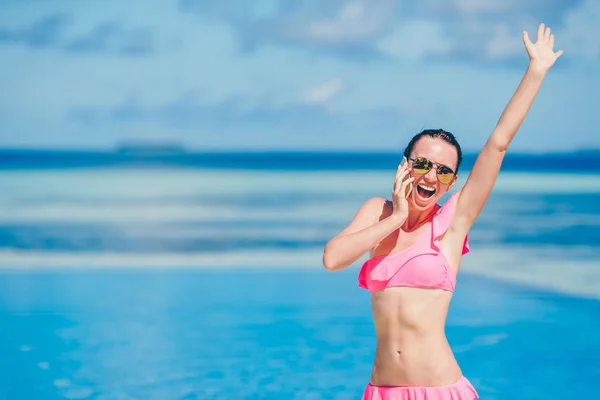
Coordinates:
416	218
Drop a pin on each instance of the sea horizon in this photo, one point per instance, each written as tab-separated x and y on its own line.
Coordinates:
585	160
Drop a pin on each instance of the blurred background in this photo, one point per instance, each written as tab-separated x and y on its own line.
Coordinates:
171	170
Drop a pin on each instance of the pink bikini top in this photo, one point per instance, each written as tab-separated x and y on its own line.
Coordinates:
422	265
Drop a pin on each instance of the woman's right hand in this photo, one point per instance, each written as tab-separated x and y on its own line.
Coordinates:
367	228
402	189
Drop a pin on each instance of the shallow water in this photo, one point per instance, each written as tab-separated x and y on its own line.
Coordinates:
269	335
253	315
112	217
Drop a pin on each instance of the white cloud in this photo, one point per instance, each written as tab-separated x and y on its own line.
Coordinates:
350	11
484	6
478	8
354	21
416	39
504	43
324	92
41	87
581	33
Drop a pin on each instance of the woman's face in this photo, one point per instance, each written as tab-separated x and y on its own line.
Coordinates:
427	189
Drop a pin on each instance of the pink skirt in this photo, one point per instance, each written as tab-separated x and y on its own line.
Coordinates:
460	390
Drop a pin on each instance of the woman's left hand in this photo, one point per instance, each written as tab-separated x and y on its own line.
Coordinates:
541	53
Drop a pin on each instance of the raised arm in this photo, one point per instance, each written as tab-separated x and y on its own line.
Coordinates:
480	182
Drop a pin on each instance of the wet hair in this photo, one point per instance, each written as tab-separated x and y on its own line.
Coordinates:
436	133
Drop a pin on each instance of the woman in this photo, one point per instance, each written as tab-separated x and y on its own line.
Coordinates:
416	247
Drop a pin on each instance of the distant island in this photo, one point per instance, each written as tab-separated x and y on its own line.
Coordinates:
150	149
173	155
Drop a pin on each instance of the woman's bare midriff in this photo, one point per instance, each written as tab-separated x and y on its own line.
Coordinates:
412	349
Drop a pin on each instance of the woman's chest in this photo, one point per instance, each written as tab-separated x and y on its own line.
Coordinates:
400	241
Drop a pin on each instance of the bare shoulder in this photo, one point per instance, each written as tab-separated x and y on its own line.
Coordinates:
375	208
369	213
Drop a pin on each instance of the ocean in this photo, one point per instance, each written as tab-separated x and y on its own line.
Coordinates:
199	276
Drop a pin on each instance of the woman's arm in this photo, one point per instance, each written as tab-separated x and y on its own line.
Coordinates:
371	224
480	182
361	235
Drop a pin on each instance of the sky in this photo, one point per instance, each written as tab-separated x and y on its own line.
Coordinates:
290	75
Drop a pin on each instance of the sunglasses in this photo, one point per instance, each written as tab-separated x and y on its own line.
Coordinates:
422	166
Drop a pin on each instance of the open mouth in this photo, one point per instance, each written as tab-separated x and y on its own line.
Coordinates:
424	191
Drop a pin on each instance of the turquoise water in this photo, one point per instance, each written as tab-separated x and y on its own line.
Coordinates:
199	283
256	334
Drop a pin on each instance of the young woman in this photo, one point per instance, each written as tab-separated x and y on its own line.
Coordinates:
416	247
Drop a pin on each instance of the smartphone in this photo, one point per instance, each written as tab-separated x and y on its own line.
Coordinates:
410	185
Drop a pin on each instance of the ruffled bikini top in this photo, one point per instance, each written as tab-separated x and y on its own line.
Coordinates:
422	265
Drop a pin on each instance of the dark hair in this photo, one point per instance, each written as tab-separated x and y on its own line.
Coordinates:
436	133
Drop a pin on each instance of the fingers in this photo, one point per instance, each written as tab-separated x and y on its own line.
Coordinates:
407	184
547	34
404	188
527	40
401	168
400	181
398	172
540	34
400	178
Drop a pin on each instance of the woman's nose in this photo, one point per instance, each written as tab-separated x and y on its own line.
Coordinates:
431	175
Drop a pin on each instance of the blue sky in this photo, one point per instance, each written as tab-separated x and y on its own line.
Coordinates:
274	74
